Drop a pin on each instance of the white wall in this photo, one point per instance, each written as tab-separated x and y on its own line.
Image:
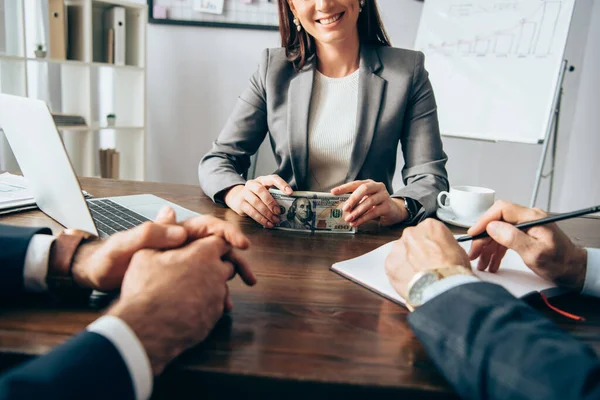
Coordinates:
195	75
580	184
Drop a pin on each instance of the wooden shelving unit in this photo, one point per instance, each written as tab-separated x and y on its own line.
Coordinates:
83	83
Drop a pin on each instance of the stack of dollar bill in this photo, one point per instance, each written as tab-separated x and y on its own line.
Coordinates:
312	212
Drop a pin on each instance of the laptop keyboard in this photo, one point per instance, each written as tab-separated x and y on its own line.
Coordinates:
111	217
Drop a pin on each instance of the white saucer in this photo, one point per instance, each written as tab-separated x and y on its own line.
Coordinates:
449	217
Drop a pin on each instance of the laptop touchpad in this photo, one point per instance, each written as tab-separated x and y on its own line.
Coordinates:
150	205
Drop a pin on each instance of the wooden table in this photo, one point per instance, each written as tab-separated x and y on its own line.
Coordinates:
302	331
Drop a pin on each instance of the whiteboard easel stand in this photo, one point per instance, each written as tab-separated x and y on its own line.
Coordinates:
551	134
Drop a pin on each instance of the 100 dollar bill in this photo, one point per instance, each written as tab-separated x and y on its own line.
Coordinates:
312	212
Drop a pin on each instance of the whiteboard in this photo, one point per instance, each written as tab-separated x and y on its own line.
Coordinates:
495	65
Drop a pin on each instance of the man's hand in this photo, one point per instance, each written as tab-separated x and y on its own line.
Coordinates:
173	299
206	225
101	265
427	246
545	248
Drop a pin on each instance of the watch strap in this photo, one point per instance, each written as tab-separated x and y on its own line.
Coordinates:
62	253
412	209
60	280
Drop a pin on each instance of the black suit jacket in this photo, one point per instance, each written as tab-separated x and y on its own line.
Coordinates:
490	345
87	366
14	241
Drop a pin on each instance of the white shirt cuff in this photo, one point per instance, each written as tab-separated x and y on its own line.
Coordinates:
131	350
36	263
591	286
441	286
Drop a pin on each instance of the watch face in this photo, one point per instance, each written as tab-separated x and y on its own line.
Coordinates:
415	294
411	207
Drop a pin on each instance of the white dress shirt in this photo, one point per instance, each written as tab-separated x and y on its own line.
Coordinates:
591	286
112	328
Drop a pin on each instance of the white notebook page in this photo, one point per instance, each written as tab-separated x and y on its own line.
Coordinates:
369	270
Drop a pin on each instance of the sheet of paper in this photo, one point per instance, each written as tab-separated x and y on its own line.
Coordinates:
209	6
513	274
14	191
369	270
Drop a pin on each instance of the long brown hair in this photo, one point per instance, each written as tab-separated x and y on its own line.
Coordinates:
300	46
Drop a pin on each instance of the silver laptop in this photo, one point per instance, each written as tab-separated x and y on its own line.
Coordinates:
39	150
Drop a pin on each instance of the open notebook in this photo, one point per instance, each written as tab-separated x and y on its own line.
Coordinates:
368	270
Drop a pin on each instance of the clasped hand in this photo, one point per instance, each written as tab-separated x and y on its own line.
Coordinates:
101	265
174	279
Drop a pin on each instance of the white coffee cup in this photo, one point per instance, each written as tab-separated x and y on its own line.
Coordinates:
467	202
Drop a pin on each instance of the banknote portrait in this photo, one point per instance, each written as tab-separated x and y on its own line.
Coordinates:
299	215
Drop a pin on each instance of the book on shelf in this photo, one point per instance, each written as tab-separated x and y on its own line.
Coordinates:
110	46
68	120
109	163
115	165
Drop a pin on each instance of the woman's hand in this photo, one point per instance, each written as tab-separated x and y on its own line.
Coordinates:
370	200
254	200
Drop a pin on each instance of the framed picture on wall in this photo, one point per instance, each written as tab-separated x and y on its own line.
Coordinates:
243	14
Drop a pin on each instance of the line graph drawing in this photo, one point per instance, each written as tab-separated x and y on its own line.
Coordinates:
532	36
495	65
547	31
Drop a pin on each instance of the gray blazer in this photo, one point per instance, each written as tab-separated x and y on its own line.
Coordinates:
395	105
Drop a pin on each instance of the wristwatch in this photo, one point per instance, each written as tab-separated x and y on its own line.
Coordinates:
412	208
60	277
424	279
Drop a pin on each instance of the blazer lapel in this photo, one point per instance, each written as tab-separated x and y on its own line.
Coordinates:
299	95
371	88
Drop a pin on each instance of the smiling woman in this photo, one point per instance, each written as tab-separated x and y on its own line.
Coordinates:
301	45
336	100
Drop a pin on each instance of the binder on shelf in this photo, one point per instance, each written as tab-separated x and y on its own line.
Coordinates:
114	18
75	33
57	27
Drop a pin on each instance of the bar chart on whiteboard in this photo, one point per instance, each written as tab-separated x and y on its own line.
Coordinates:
500	58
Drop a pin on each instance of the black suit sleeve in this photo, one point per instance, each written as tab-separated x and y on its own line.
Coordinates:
14	241
490	345
88	366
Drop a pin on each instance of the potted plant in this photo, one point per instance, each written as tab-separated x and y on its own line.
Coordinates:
111	119
39	51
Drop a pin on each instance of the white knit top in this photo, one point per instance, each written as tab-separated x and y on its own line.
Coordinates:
331	130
